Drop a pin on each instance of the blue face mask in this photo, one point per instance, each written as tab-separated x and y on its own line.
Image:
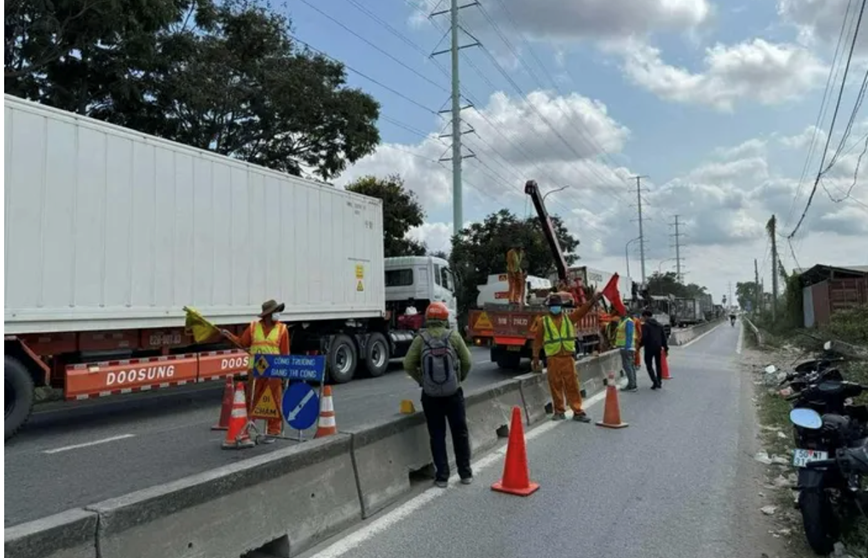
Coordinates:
555	309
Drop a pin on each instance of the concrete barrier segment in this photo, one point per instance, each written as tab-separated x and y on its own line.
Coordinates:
489	409
70	534
384	454
292	498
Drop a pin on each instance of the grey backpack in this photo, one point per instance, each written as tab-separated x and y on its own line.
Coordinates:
439	366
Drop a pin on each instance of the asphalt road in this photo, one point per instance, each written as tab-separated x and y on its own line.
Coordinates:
69	457
678	482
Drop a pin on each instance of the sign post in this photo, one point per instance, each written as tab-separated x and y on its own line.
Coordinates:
300	403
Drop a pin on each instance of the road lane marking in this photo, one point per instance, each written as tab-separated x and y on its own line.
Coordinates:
88	444
483	361
355	539
740	342
695	339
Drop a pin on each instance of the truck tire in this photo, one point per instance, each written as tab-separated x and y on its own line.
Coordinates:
506	360
342	359
19	396
377	359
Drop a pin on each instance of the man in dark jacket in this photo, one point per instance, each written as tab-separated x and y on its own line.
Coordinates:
654	341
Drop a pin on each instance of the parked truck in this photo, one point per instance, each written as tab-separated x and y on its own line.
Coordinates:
688	311
111	232
509	329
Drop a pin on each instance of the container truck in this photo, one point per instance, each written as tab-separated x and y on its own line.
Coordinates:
688	311
110	233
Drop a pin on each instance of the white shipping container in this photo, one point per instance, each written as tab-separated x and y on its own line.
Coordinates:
107	228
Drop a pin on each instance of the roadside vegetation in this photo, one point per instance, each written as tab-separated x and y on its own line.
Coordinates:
784	345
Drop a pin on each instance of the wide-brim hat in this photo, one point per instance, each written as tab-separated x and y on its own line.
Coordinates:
270	307
554	300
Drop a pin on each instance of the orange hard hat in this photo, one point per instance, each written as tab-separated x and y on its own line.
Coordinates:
437	311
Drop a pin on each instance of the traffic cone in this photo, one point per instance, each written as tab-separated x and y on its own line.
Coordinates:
237	436
327	425
612	411
516	476
226	407
664	367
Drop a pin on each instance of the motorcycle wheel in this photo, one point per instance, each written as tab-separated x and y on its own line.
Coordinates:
821	527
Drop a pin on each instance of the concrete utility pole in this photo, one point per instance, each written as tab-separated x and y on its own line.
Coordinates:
756	287
678	258
773	232
641	227
457	184
731	302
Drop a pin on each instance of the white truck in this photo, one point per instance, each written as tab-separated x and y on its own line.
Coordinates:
110	233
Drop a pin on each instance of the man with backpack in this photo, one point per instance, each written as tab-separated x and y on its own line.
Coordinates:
439	361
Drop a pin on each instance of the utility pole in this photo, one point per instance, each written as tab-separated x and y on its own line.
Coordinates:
641	228
773	223
756	287
457	184
678	235
730	295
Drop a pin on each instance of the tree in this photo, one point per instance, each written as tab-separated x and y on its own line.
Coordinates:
663	284
480	250
219	75
746	294
401	212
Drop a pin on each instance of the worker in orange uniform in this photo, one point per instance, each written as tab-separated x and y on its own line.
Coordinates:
267	336
515	275
556	335
637	339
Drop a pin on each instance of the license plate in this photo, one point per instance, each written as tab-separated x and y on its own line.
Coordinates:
802	457
514	348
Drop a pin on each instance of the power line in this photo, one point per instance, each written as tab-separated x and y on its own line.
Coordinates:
834	118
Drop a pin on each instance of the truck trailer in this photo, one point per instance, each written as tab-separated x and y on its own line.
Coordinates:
111	232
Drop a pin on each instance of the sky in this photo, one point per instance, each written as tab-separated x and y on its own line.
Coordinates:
724	107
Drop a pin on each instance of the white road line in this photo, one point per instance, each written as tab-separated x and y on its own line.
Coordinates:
740	342
355	539
695	339
483	361
88	444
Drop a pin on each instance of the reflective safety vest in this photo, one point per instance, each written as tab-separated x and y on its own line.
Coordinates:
557	341
513	261
621	336
265	344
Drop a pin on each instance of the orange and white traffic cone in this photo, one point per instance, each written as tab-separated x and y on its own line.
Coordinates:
664	367
612	411
516	476
226	406
327	425
237	436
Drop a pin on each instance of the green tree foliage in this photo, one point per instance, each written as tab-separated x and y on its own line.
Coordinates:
663	284
223	76
401	212
746	294
480	250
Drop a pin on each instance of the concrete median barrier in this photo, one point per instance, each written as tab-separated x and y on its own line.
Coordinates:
71	534
282	502
688	334
489	409
384	455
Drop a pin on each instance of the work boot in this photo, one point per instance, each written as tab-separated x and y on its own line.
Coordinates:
581	417
441	483
467	480
559	416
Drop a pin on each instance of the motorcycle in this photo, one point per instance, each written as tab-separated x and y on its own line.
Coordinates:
825	424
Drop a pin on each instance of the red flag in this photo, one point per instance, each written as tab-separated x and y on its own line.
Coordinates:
614	296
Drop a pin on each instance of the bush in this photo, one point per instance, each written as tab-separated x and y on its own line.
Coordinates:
849	326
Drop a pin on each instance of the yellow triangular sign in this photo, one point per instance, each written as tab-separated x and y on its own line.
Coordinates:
360	287
261	365
482	322
266	406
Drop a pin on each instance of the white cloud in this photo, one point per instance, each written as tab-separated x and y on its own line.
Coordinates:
750	148
803	140
756	70
577	19
819	22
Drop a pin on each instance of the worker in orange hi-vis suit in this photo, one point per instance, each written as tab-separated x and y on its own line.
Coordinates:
637	338
263	337
515	275
556	335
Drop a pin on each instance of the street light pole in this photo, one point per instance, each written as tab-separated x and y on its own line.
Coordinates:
627	253
553	191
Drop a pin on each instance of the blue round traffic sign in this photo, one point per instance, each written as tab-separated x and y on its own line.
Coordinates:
300	406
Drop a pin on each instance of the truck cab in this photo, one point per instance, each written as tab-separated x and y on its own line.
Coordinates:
416	281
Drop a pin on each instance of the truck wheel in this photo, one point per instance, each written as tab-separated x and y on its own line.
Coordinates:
507	360
377	360
19	396
342	359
